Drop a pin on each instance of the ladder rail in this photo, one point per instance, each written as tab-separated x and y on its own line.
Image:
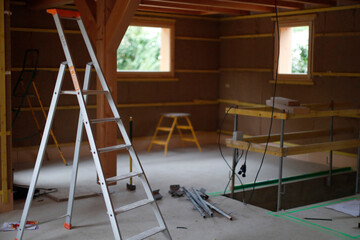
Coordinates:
93	148
41	152
79	136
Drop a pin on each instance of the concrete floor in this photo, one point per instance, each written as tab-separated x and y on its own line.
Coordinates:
187	167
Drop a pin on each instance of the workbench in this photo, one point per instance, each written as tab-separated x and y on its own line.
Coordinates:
258	143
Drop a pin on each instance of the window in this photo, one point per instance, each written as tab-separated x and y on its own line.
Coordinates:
147	49
296	48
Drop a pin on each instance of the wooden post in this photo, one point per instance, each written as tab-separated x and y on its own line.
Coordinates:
112	20
6	200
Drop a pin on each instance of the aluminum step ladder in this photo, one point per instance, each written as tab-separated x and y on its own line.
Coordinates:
85	122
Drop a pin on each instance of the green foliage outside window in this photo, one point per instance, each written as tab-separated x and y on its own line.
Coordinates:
139	50
300	49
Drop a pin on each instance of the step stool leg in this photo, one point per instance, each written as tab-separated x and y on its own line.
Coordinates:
169	136
155	134
193	133
181	135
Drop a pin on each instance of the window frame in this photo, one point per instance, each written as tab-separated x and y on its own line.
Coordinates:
161	23
295	21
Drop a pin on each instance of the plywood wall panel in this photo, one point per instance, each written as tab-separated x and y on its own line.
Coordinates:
336	54
196	55
197	28
244	53
246	26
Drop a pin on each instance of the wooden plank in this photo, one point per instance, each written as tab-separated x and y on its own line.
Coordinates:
321	147
254	147
266	113
257	112
297	135
326	113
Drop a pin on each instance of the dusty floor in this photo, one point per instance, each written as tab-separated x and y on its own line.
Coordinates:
190	168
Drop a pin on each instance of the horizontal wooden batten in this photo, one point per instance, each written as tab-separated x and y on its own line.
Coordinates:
147	79
263	35
134	105
42	30
238	103
45	69
198	39
306	83
245	70
338	34
196	71
335	74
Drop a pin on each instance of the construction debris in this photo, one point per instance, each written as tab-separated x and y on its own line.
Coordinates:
197	199
156	194
176	191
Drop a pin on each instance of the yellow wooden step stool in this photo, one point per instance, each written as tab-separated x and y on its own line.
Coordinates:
175	117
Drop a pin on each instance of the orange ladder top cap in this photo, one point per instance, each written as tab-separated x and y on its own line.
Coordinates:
63	13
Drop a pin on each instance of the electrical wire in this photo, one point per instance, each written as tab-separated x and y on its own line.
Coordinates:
273	102
223	157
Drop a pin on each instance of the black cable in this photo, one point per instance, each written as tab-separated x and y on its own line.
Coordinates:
223	157
273	102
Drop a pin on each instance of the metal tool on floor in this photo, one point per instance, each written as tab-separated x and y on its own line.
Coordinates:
85	122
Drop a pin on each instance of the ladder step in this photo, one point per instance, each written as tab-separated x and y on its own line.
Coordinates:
114	148
159	142
101	120
85	92
133	206
183	127
147	233
122	177
164	129
188	139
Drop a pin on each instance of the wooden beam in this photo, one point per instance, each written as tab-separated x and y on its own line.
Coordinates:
271	3
294	150
87	10
221	3
172	5
118	22
321	147
297	135
44	4
254	147
316	2
168	10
